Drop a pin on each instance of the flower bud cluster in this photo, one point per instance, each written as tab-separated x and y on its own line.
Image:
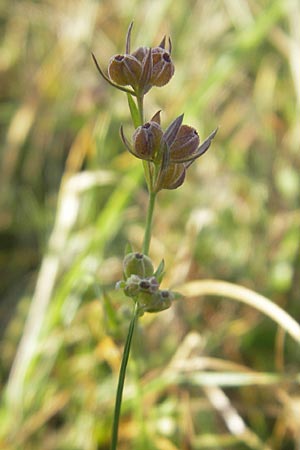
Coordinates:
170	152
143	68
142	284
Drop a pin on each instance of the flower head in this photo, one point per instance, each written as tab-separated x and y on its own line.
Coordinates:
141	283
141	69
170	152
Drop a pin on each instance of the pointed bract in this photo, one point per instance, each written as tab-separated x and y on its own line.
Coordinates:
128	39
163	43
144	82
170	45
156	117
172	130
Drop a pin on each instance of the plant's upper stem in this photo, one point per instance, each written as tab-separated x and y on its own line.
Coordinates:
148	229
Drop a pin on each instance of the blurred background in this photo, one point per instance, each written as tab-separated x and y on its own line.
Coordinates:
71	198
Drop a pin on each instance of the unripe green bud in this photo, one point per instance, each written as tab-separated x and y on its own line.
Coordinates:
149	285
132	286
125	70
162	67
137	264
147	140
155	302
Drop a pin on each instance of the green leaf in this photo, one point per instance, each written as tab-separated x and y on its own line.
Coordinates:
133	111
159	273
128	248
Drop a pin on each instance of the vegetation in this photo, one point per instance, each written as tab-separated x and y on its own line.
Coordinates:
219	369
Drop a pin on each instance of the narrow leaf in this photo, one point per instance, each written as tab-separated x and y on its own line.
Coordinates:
159	273
133	111
128	248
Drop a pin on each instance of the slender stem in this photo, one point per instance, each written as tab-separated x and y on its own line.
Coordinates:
122	374
148	229
140	104
121	380
135	314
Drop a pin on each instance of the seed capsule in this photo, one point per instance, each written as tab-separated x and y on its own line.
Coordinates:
172	177
185	144
162	67
140	53
125	70
147	140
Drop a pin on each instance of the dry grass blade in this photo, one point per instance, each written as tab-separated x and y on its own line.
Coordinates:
232	418
244	295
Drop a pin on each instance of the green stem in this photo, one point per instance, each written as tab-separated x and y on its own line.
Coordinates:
147	235
114	439
140	104
135	314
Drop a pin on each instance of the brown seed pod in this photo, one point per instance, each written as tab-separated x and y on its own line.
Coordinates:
125	70
185	144
147	140
163	67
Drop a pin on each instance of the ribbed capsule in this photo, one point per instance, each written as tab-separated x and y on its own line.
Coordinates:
172	177
162	67
185	144
140	53
147	140
125	70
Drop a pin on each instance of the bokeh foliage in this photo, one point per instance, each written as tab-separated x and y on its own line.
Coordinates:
71	197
